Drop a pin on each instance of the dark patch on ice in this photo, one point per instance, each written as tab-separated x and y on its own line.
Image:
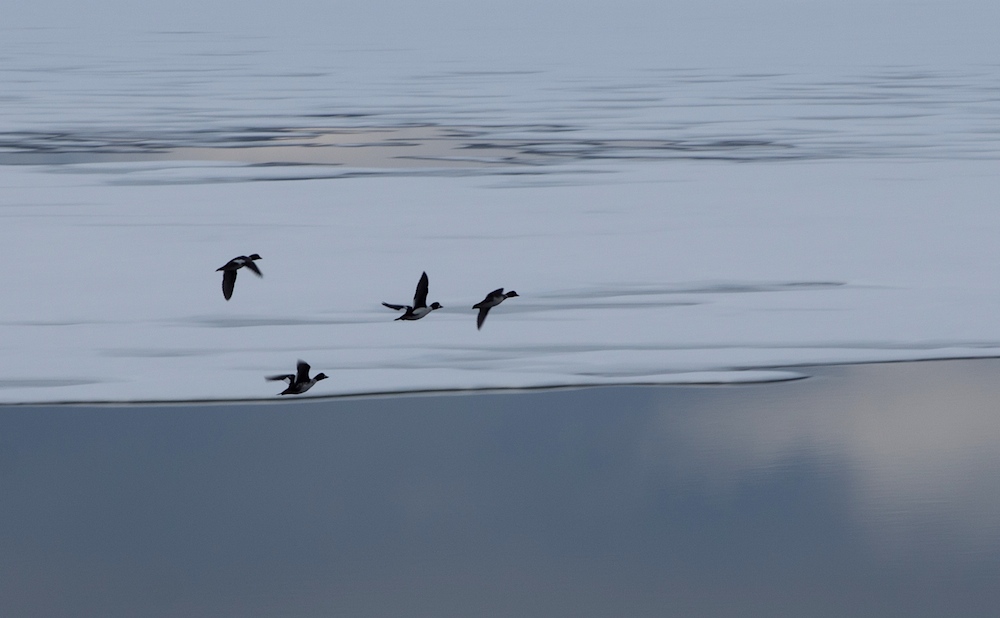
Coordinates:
335	175
527	307
46	323
488	73
157	353
695	288
288	164
235	322
696	377
731	288
46	382
338	115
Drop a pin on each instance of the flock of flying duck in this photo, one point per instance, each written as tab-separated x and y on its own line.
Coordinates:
300	382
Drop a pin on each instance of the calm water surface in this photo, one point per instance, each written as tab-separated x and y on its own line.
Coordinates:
863	491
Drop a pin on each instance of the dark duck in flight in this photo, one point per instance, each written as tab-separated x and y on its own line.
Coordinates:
492	299
299	382
230	268
419	308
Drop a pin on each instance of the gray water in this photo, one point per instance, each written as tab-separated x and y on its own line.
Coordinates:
862	491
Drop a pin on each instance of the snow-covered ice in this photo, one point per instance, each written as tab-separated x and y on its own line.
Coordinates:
657	273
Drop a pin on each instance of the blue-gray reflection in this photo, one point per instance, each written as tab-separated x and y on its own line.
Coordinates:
863	491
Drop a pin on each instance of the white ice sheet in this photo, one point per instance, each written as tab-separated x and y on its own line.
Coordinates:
657	273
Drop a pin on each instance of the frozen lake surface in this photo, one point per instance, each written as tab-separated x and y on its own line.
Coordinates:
674	204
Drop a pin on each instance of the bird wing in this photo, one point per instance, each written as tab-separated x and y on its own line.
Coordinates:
228	282
492	296
249	264
289	377
420	298
482	317
302	371
396	307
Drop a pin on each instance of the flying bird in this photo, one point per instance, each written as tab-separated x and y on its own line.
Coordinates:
492	299
229	272
419	308
299	382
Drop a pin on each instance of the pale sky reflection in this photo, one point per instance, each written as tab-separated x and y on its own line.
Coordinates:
920	441
839	495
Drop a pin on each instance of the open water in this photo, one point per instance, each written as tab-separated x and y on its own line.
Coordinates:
868	490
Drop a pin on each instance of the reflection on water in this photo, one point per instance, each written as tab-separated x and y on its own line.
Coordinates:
864	491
